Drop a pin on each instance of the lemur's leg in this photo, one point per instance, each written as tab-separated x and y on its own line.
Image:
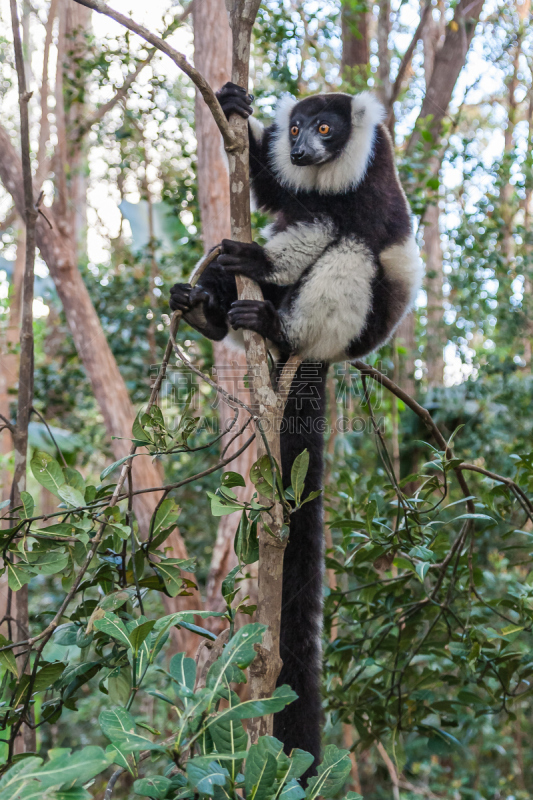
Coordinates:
260	316
205	307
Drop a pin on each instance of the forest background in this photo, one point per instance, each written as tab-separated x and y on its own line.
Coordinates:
429	596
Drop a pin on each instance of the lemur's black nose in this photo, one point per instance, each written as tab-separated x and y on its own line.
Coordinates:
297	156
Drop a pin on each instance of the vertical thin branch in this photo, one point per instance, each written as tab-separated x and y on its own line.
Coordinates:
25	389
266	667
44	131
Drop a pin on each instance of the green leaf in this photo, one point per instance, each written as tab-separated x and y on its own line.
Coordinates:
298	474
72	769
220	506
354	796
167	515
422	569
16	774
48	675
17	576
281	697
116	599
183	670
293	791
229	736
260	773
49	563
311	496
139	634
119	727
138	430
332	773
262	477
238	653
119	685
47	471
108	470
189	626
156	786
114	627
117	724
171	575
71	496
230	479
246	543
72	794
28	504
228	584
301	760
7	657
510	629
75	479
206	777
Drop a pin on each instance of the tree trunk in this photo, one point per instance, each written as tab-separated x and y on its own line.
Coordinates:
406	339
354	31
449	62
434	349
9	370
212	57
384	29
58	246
434	352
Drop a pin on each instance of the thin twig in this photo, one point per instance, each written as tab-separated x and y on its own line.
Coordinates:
25	391
406	60
47	426
424	415
7	424
179	59
122	91
44	130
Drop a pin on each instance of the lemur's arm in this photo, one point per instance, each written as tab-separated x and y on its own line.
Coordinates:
267	190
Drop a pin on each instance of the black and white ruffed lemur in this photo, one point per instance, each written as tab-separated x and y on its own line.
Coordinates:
339	271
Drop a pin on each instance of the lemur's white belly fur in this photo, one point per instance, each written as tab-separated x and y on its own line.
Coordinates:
332	303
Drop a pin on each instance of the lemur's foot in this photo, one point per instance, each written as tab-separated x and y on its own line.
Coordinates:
256	315
235	100
242	258
183	297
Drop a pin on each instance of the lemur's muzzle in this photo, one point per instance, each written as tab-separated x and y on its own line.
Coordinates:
304	152
301	157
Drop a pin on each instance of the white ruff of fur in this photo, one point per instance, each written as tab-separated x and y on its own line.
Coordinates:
402	263
293	250
333	302
257	128
341	174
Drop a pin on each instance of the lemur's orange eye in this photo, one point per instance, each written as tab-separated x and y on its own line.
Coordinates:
323	129
294	130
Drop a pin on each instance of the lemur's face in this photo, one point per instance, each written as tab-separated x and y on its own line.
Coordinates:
319	128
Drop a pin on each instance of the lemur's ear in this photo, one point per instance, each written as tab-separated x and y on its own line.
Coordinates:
366	110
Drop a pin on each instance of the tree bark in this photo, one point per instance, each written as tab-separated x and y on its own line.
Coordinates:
384	29
434	352
267	404
27	742
449	62
212	57
58	246
354	32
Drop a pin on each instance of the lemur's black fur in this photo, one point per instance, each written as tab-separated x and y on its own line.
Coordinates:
338	272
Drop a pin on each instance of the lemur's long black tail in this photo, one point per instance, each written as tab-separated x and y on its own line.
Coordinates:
299	724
